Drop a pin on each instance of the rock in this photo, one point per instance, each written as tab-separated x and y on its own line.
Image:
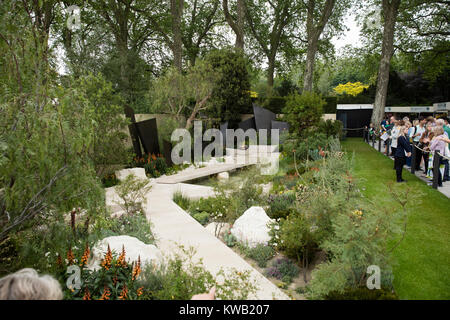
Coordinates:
223	176
124	173
134	248
222	228
252	227
266	188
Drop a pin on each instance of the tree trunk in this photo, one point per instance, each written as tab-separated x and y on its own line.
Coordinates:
238	25
176	9
313	31
270	72
309	68
239	44
390	8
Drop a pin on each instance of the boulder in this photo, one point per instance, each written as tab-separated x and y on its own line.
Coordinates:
124	173
223	176
134	248
252	227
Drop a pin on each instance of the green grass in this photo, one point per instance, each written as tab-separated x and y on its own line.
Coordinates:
421	263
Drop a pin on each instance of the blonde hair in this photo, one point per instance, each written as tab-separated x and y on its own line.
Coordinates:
416	122
401	130
438	130
26	284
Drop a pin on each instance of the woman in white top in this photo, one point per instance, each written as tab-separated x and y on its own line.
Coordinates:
394	136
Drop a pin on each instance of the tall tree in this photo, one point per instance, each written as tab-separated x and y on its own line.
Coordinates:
314	29
124	20
236	22
198	24
268	22
390	13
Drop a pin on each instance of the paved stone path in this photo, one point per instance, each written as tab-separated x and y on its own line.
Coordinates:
172	226
445	189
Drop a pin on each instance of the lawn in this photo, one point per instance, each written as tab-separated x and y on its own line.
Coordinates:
421	262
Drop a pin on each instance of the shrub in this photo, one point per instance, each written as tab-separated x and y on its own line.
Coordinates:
280	205
362	293
110	180
181	278
115	280
231	95
283	269
275	104
331	105
303	111
261	254
181	200
201	217
332	128
154	165
132	192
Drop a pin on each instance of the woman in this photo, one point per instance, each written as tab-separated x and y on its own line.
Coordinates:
424	144
402	151
439	145
394	137
27	284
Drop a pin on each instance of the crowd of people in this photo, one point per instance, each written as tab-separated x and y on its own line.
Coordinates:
426	135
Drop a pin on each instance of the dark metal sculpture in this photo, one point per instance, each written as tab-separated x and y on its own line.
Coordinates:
129	113
263	118
148	133
247	124
167	148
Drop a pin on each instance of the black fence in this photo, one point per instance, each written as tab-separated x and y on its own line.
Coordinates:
375	140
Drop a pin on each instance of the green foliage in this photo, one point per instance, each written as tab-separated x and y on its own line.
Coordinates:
230	96
331	128
275	104
181	200
229	239
261	254
109	180
283	269
232	198
201	217
109	145
135	225
131	192
331	105
181	278
280	205
303	111
154	166
362	293
115	280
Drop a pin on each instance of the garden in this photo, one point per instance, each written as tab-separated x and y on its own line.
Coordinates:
92	96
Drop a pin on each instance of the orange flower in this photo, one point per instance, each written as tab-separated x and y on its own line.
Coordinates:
121	261
59	261
106	294
124	293
106	262
140	291
70	257
85	256
136	269
153	156
87	294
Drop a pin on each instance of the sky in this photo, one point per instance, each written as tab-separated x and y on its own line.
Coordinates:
350	37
